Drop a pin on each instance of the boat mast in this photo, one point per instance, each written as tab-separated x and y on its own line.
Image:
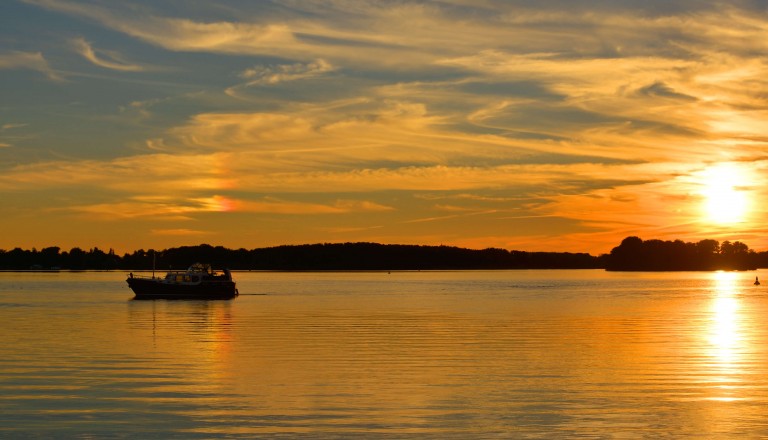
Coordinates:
154	254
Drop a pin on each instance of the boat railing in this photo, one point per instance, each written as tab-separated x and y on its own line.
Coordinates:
143	277
175	274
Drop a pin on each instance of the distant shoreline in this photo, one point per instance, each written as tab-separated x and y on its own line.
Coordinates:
632	255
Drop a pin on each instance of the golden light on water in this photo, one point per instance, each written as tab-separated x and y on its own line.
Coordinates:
725	337
726	199
724	327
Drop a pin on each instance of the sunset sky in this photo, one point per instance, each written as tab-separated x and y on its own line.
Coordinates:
540	126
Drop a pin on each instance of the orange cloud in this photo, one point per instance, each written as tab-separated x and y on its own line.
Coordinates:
178	232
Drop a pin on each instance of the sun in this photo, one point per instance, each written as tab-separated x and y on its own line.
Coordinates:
725	196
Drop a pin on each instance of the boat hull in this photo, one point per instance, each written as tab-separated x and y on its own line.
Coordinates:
145	288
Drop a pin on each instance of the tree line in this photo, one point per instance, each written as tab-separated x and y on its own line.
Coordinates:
326	256
633	254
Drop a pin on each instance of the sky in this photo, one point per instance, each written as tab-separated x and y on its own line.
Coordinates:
529	125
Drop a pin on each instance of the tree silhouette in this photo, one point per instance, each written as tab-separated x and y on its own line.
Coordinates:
657	255
632	254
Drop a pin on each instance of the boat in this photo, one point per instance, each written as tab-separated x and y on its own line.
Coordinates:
199	281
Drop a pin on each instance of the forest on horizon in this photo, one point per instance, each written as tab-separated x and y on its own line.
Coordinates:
633	254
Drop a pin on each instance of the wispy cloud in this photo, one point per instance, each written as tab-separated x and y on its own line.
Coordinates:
179	232
103	58
559	119
28	61
7	135
11	126
447	217
181	209
178	33
286	72
273	75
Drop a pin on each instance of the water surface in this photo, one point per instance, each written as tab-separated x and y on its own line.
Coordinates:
486	354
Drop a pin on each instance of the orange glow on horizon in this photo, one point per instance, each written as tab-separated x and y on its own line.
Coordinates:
552	144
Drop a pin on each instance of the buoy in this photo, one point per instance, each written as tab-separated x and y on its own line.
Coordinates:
757	282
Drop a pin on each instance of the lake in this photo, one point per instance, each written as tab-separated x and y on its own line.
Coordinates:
466	354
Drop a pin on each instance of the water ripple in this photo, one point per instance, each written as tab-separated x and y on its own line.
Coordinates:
531	354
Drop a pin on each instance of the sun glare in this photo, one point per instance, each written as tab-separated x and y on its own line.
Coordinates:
726	200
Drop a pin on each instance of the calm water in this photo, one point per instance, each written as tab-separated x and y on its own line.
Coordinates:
508	354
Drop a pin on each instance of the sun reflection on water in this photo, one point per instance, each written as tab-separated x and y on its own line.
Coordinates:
726	344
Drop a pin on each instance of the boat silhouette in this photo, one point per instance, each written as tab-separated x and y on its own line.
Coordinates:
199	281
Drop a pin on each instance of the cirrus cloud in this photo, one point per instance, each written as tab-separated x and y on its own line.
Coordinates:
102	58
28	61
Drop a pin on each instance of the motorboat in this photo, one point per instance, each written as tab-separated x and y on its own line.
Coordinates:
199	281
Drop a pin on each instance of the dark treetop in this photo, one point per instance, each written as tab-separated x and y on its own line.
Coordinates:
656	255
336	256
